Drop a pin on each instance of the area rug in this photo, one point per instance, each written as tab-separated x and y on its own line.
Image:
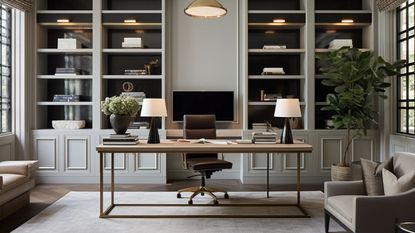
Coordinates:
78	212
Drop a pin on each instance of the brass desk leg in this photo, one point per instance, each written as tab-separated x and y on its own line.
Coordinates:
267	175
298	178
101	185
112	179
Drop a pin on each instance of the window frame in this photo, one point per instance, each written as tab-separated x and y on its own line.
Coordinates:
10	88
407	74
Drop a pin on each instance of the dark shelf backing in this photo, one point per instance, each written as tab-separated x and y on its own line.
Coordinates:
84	36
117	63
67	87
338	17
53	61
324	37
260	114
321	116
290	63
281	87
338	5
269	18
140	18
132	4
322	91
273	5
150	38
152	88
66	113
257	38
69	4
73	18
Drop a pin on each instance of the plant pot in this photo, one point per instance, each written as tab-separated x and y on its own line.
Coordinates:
341	173
120	123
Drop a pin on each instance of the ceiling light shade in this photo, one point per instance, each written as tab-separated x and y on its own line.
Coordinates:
205	9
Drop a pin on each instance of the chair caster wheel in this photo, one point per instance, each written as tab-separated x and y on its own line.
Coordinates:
215	202
202	194
226	196
179	195
190	202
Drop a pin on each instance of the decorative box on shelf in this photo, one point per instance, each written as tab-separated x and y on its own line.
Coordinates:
132	42
68	124
273	71
69	43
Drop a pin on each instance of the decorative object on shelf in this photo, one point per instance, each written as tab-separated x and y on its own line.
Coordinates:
205	9
339	43
68	71
68	124
265	47
272	96
357	77
127	86
121	110
149	66
135	72
66	98
69	43
132	42
287	108
329	124
272	71
154	108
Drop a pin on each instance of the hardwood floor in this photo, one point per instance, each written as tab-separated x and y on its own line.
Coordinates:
44	195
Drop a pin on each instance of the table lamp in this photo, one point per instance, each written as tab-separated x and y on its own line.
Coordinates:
153	108
287	108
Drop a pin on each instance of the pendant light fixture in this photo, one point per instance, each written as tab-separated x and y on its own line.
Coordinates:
205	9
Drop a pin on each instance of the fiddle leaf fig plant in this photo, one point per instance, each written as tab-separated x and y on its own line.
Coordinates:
357	78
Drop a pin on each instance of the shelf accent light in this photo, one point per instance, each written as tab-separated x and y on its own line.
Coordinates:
130	21
270	32
347	21
206	9
279	21
63	20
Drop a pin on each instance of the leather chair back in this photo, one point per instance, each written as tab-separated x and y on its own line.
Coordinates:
199	126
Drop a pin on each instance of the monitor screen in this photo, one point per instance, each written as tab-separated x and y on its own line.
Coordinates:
219	103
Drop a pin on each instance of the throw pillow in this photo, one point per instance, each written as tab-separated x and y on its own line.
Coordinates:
372	175
393	185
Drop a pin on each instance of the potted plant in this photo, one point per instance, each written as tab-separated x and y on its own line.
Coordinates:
121	109
357	78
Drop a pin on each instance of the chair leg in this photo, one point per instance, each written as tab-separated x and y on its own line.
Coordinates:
326	221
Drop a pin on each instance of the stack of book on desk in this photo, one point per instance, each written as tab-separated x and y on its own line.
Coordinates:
264	137
121	139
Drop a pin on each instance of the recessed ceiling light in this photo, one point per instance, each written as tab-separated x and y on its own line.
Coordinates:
347	20
279	20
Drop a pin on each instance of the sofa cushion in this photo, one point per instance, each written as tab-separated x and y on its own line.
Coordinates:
22	167
393	185
403	163
344	205
11	181
372	175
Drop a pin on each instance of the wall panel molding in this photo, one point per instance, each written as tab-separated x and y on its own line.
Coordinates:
46	151
76	153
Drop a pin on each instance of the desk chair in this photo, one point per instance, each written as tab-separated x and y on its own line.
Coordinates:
196	127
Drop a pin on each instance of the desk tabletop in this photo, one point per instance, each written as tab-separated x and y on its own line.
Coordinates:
218	146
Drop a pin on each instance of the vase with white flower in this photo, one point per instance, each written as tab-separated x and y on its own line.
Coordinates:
121	109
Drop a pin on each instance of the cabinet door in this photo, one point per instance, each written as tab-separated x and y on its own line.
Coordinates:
46	152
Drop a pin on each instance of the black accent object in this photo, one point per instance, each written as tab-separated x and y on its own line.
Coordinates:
120	123
218	103
153	135
287	135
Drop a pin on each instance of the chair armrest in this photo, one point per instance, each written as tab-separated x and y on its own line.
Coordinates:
19	169
336	188
379	213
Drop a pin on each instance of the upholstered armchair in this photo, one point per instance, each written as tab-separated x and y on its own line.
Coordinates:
347	203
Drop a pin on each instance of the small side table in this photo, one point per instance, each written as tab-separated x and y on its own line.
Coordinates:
405	227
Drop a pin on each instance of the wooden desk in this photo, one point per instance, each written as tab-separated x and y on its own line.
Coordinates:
169	146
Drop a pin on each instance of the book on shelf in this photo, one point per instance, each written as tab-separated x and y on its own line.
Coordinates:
139	125
273	71
265	47
339	43
135	72
66	98
132	42
67	71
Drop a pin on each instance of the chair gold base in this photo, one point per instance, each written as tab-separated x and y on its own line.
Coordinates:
196	190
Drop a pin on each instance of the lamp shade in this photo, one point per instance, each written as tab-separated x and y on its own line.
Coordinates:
154	108
205	9
287	108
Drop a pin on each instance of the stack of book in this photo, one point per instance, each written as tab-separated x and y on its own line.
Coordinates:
273	71
135	72
132	42
121	139
264	137
274	47
139	125
67	71
66	98
338	43
69	43
138	96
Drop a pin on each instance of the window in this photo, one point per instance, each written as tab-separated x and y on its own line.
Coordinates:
406	80
5	71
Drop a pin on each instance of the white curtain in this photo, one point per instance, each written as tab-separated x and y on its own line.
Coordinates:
387	5
24	5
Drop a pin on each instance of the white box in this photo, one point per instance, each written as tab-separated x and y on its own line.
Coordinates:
68	43
132	40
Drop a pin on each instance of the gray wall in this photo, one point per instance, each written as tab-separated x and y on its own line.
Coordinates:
203	54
